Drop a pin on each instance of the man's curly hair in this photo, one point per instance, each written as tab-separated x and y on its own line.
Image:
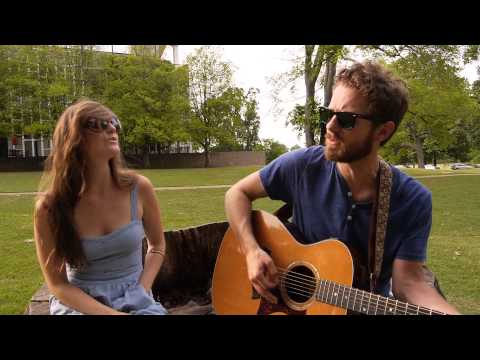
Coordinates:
386	94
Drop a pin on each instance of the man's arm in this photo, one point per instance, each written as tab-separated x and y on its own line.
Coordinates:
410	284
238	207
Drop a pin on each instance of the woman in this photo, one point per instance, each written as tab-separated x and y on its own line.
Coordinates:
91	220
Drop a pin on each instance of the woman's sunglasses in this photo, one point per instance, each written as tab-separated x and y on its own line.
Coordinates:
99	125
346	120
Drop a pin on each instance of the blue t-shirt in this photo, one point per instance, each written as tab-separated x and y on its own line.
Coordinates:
323	207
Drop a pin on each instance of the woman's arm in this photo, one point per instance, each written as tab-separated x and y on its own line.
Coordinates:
154	231
56	279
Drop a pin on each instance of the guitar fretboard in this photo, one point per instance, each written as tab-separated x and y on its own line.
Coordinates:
365	302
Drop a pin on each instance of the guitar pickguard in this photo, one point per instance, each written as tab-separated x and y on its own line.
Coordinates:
267	308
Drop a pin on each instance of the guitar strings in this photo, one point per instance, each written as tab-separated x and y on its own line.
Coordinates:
309	291
380	306
296	281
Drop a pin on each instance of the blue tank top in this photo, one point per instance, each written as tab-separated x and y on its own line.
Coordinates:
114	266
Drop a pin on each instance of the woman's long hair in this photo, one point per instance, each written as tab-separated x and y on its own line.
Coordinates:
63	180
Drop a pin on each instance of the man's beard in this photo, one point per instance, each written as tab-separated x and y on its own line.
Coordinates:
353	152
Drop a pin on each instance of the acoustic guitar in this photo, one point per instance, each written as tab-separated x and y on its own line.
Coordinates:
314	279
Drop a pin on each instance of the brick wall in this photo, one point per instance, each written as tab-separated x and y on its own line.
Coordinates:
34	164
163	161
217	159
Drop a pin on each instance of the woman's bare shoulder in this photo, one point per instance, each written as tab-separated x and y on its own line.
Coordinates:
43	205
144	183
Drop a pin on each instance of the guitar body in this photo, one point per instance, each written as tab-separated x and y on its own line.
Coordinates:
300	266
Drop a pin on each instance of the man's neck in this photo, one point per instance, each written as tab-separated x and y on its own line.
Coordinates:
361	176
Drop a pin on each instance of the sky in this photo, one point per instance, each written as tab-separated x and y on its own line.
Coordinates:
254	64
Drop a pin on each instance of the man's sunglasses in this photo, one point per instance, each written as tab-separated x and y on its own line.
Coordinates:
99	125
346	120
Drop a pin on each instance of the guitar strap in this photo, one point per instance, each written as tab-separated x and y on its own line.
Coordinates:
378	222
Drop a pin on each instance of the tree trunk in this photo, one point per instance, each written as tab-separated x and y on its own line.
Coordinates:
327	93
82	80
417	143
420	154
309	131
146	157
312	69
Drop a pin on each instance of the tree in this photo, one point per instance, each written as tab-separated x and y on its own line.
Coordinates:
476	90
309	66
226	111
439	99
460	146
250	121
272	148
329	81
149	95
210	78
241	122
4	99
296	118
147	50
156	110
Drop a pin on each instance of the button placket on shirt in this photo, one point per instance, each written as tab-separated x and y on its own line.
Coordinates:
349	217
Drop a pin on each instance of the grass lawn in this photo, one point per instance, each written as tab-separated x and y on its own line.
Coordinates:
453	254
28	181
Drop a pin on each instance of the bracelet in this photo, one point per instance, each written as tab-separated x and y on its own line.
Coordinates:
157	252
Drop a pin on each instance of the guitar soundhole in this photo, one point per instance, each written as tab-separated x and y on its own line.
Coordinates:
299	284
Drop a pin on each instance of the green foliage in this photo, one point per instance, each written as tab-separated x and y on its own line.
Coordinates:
210	79
250	121
272	148
241	122
474	156
310	66
223	116
471	53
396	152
147	50
40	128
296	118
476	90
156	110
440	109
148	94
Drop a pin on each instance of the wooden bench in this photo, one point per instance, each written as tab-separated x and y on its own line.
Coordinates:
184	281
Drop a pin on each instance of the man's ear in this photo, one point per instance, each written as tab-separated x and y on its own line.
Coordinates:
384	131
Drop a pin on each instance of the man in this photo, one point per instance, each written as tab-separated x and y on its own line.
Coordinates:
331	189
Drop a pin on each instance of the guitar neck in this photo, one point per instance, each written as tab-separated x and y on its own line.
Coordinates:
365	302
